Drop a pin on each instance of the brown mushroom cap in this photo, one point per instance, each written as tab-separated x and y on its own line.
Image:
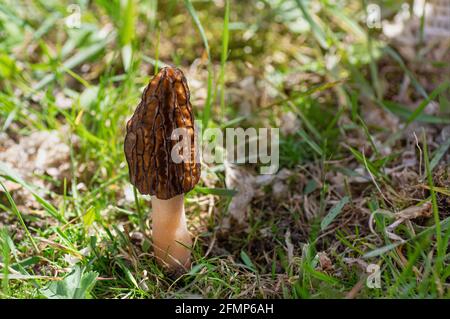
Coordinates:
164	107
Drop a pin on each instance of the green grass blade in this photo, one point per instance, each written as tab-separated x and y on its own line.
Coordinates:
223	58
19	216
126	32
48	24
77	59
9	174
158	39
197	22
360	157
441	88
433	199
216	191
402	65
381	251
404	113
318	33
247	261
316	148
369	137
208	102
443	148
5	259
334	211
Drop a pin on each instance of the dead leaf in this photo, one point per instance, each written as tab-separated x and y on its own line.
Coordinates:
423	210
289	245
243	182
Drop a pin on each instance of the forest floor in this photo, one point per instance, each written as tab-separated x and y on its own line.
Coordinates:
363	187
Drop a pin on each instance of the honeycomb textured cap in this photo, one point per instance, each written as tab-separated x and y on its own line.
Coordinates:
148	144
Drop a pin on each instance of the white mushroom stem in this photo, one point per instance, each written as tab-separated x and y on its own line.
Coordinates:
171	238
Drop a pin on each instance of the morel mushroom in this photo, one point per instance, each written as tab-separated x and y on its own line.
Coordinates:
149	145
